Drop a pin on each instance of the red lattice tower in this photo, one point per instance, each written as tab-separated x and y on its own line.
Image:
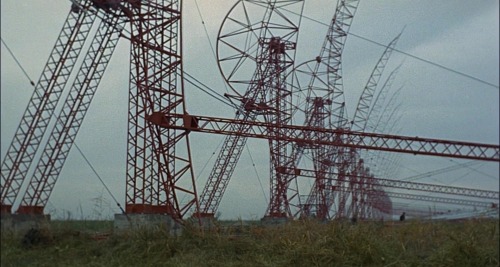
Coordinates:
159	169
255	37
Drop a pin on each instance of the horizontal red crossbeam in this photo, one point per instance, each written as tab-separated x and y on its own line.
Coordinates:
308	136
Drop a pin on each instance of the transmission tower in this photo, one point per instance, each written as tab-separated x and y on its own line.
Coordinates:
159	171
257	37
256	54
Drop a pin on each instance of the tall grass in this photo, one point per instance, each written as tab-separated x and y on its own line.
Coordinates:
300	243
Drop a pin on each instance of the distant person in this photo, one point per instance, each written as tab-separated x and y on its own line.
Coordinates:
402	217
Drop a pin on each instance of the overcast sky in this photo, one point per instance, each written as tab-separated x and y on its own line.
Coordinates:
436	103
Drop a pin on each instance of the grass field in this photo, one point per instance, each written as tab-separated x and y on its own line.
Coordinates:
300	243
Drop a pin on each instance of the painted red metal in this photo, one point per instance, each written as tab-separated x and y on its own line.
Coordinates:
159	171
370	194
71	115
320	80
358	140
265	48
38	114
159	174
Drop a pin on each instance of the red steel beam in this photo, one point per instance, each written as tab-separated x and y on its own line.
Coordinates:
358	140
486	194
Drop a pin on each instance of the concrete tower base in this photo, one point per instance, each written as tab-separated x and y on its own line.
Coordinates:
23	222
270	221
206	221
124	222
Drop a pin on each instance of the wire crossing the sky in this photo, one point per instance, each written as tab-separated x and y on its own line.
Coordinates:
17	62
407	54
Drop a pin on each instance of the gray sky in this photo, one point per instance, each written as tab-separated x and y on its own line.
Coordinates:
462	35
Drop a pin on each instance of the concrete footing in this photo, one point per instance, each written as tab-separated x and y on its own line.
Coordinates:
205	222
208	223
124	222
23	222
271	221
